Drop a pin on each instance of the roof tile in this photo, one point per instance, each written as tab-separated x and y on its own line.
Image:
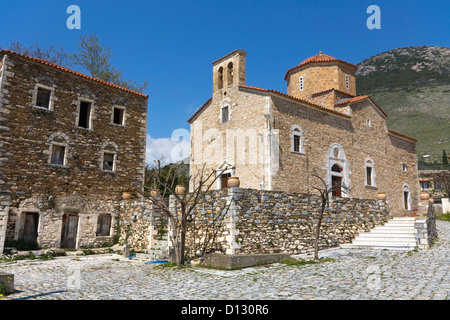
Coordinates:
51	64
318	58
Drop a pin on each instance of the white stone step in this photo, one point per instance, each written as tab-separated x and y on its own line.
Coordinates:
403	219
375	247
392	231
383	241
394	228
369	235
398	233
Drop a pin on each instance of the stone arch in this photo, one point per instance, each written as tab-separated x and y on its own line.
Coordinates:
406	197
230	74
30	211
220	78
337	171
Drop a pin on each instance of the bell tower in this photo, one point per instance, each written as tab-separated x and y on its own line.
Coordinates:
229	71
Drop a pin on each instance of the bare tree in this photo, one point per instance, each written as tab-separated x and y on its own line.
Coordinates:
91	57
163	186
53	54
95	59
324	192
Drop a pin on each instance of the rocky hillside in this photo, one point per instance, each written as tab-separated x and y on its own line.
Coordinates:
412	85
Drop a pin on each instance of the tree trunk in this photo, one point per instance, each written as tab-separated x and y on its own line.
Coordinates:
316	246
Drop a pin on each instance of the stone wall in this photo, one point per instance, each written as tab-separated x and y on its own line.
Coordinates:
140	223
248	221
425	228
5	201
275	222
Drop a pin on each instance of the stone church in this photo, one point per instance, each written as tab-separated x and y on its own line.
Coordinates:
319	128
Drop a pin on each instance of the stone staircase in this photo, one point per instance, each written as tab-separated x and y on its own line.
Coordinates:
396	234
159	249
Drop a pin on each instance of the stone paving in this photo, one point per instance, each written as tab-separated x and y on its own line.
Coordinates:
353	275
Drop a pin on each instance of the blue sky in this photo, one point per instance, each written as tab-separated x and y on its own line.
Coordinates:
171	43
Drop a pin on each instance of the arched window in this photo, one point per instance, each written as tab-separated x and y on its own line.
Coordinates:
220	78
230	74
338	173
370	173
297	139
406	197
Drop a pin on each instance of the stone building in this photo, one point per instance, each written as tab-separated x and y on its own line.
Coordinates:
280	141
70	146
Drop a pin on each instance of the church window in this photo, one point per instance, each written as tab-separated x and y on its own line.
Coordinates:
297	139
301	83
225	114
370	173
347	85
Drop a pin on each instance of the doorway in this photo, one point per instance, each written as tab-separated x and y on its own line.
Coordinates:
336	183
30	229
224	180
69	231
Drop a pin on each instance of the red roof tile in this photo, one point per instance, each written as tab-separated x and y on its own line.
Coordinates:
357	99
395	133
310	103
332	89
51	64
318	58
200	110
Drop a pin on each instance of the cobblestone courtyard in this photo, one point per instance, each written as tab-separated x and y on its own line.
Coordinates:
353	274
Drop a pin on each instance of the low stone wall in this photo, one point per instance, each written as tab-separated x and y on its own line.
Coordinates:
425	229
239	221
272	222
139	223
242	260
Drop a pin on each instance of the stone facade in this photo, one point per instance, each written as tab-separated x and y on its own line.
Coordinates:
276	141
70	146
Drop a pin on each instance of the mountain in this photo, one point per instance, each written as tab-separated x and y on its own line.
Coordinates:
412	85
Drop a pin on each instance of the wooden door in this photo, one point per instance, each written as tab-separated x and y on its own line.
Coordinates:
336	183
30	227
224	180
69	231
